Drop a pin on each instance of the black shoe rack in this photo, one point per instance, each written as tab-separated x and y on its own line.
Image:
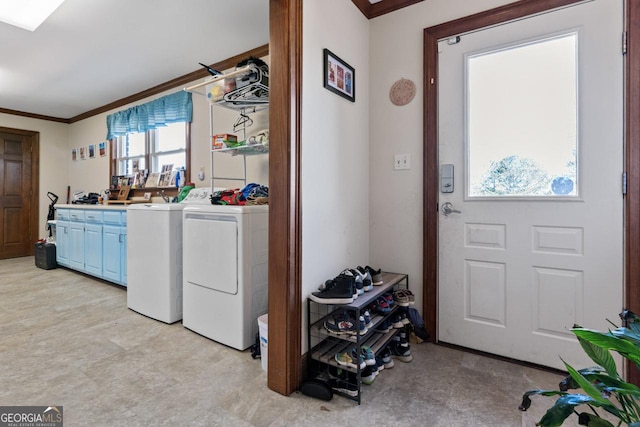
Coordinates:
323	346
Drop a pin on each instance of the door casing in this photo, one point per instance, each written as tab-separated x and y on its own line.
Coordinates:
496	16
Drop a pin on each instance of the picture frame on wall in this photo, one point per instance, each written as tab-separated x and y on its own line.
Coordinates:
92	151
339	77
83	154
102	148
74	154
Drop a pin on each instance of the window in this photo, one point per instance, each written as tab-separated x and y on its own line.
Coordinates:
522	112
152	149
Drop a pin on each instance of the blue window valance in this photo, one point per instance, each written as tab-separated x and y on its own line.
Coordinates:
173	108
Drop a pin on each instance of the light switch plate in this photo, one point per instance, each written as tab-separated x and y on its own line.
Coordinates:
401	162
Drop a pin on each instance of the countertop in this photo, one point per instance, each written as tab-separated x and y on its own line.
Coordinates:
94	207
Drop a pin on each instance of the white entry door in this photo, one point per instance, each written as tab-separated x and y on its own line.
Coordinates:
531	222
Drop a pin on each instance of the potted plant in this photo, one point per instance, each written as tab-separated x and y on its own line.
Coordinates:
603	388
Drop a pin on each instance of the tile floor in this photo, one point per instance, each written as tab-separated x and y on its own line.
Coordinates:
67	339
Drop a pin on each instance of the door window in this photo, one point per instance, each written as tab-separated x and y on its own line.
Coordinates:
522	120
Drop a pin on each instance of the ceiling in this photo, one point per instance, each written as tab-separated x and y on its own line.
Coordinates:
88	54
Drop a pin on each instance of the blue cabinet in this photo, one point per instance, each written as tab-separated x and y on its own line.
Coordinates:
114	246
93	241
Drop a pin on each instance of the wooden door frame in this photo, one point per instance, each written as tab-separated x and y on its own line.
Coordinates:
34	199
285	234
496	16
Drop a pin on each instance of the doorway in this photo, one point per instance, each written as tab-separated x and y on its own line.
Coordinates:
491	18
19	179
534	245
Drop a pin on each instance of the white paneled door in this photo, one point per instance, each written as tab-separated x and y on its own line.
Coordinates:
530	208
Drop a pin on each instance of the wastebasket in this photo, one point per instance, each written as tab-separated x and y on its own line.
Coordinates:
45	254
263	326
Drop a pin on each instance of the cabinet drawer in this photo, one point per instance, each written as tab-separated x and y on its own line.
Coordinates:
76	215
62	214
93	216
112	217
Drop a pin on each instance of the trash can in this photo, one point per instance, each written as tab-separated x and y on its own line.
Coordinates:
263	326
45	254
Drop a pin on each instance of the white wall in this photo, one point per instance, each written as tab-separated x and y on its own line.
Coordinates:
53	159
335	146
395	198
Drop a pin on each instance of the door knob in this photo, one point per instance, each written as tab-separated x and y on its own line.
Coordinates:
447	208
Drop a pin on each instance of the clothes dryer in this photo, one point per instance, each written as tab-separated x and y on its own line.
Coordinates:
225	271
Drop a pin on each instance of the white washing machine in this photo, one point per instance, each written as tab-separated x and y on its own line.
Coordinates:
154	267
225	271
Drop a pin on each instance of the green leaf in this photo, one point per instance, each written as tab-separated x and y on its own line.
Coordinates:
592	420
610	342
526	401
585	385
600	356
562	409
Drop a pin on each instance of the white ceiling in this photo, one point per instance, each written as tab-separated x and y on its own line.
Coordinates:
89	53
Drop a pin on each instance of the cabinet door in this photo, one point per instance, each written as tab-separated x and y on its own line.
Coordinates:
62	243
123	255
76	245
111	248
93	249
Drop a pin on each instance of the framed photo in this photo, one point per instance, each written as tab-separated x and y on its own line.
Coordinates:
92	151
74	154
339	77
83	154
102	148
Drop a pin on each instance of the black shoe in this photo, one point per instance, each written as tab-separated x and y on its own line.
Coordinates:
337	291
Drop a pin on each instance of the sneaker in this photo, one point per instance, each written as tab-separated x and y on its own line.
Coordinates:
368	284
367	319
345	359
363	325
357	281
380	363
384	326
405	318
396	321
340	326
369	357
401	339
368	375
335	292
401	298
411	296
342	386
387	361
357	358
376	276
389	299
401	353
382	306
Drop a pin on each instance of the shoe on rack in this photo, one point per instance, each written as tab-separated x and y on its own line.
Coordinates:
400	352
368	375
369	356
376	275
384	326
405	318
367	319
345	359
357	282
396	321
368	283
401	298
386	358
340	326
411	296
389	298
336	291
342	386
380	363
357	358
382	306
